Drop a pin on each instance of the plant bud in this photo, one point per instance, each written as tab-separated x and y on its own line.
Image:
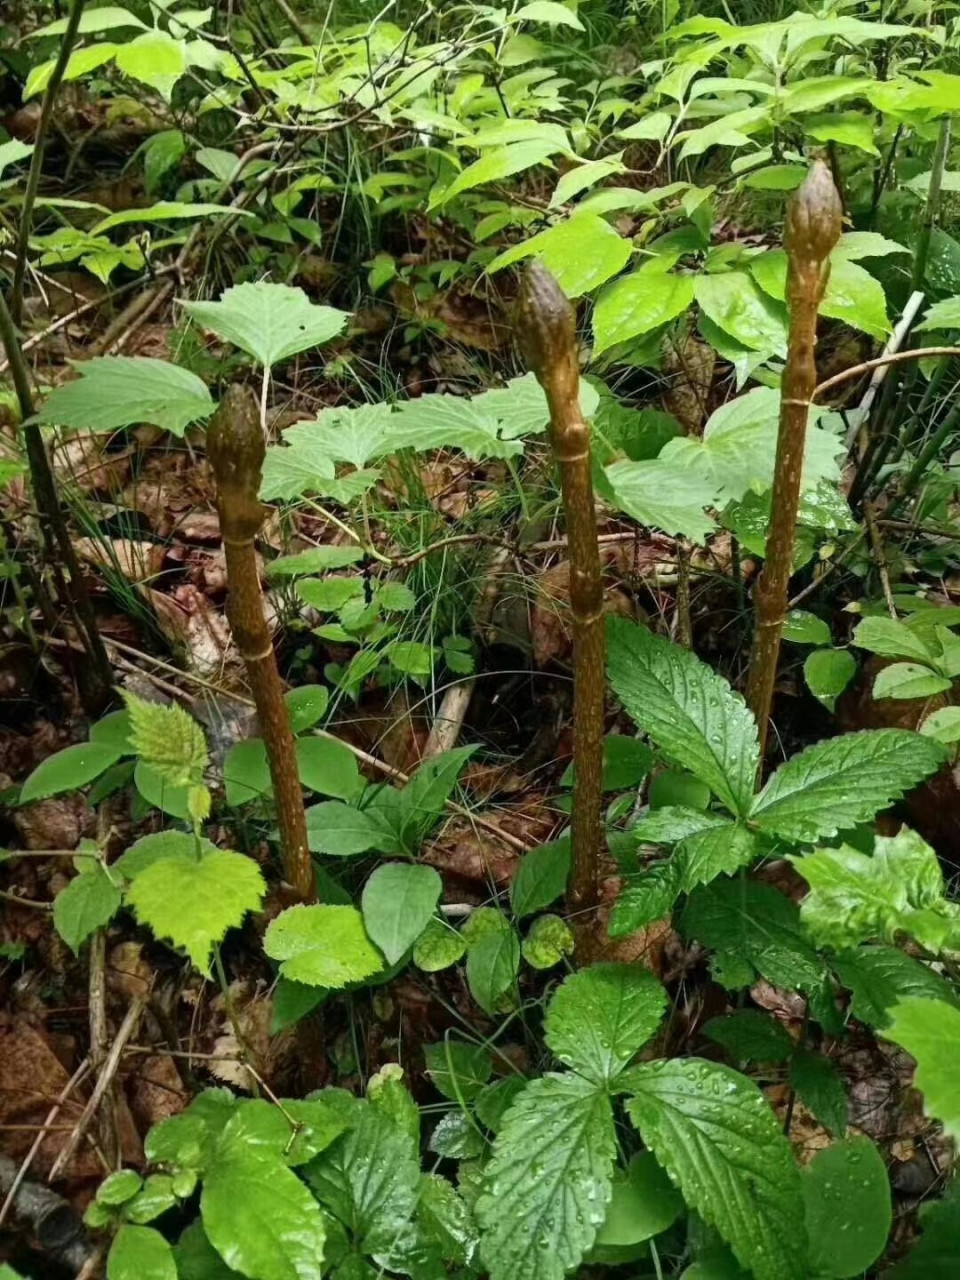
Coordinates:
545	321
814	216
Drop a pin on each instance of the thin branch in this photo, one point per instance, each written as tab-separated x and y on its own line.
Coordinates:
896	357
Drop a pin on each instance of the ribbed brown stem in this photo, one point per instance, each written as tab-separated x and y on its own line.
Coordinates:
548	337
235	447
812	229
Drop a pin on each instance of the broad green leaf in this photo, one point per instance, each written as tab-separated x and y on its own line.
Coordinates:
164	211
188	1139
80	62
758	926
846	1196
936	1255
68	770
828	672
261	1219
820	1088
550	12
153	848
117	1188
160	794
322	946
270	322
908	680
585	175
329	594
315	560
663	496
294	1131
398	903
193	899
154	58
853	245
712	852
140	1253
943	725
880	977
155	1198
928	1030
368	1180
855	897
328	768
197	1259
835	785
599	1018
942	315
106	18
88	902
849	128
713	1131
306	705
120	391
495	164
891	638
581	253
852	295
690	712
412	658
801	627
246	772
459	1070
548	940
161	153
638	304
113	730
735	305
647	897
343	830
167	739
749	1035
493	962
644	1203
546	1189
775	177
438	947
12	152
540	878
423	799
446	1222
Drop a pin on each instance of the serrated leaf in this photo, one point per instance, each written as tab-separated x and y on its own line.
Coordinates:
88	902
749	1035
192	900
270	322
581	253
820	1088
735	304
599	1017
846	1195
261	1219
891	638
398	903
688	710
140	1253
908	680
647	897
493	962
758	925
715	851
540	878
880	977
68	770
322	946
546	1188
928	1030
168	740
438	947
835	785
638	304
713	1131
368	1180
941	315
121	391
445	1220
855	897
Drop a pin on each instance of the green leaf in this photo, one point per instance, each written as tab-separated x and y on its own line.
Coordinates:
155	1198
342	830
261	1219
140	1253
445	1220
758	926
68	770
908	680
493	962
547	1186
828	672
246	772
943	725
581	253
322	946
88	902
316	560
751	1036
647	897
936	1255
329	594
637	304
197	1259
107	18
735	304
644	1203
438	947
424	797
117	1188
412	658
192	899
161	794
662	496
113	730
942	315
156	59
599	1018
164	211
270	322
120	391
891	638
167	739
161	153
801	627
548	940
713	1131
262	1128
495	164
688	710
540	878
857	298
855	897
459	1070
368	1180
820	1088
710	853
846	1197
835	785
398	903
551	12
928	1030
80	62
880	977
395	597
306	706
328	767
